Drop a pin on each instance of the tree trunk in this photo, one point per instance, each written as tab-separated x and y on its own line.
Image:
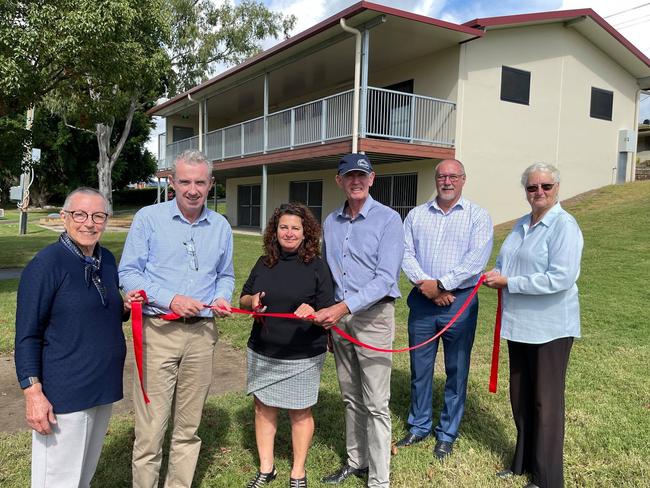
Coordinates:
107	160
104	167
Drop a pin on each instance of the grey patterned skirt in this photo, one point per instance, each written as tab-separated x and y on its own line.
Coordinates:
284	383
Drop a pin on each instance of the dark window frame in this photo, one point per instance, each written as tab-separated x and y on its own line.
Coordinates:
597	105
317	210
510	90
394	193
253	207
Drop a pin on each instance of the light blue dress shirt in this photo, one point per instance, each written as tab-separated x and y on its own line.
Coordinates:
364	254
542	264
166	255
452	247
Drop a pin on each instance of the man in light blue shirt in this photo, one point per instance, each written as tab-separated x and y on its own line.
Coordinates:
180	253
364	245
448	241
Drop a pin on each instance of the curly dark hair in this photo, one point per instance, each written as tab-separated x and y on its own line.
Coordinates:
310	247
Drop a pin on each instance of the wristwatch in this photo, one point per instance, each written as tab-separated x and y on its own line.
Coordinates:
441	286
29	381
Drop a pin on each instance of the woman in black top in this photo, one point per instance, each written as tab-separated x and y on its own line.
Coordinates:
285	357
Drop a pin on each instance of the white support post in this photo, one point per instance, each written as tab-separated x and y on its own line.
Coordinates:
266	112
263	198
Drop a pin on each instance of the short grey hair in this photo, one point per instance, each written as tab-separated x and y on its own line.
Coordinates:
542	168
84	190
191	156
462	166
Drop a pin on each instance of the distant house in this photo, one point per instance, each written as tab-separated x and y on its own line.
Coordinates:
643	143
497	93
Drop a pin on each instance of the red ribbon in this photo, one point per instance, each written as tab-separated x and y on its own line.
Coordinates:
496	343
353	340
136	329
494	371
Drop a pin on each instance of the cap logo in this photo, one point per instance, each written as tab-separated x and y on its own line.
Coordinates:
363	163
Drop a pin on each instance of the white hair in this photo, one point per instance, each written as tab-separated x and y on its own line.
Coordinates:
191	156
84	190
543	168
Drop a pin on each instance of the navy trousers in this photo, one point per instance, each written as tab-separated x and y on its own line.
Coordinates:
425	320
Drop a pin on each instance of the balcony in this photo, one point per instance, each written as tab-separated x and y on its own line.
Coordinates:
389	115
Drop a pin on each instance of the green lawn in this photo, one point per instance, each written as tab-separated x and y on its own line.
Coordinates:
608	392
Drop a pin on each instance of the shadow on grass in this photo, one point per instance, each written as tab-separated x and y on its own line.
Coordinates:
114	469
479	425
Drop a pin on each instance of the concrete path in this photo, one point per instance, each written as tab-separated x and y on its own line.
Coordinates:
10	273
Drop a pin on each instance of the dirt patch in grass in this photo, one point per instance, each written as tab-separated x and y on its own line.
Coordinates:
228	375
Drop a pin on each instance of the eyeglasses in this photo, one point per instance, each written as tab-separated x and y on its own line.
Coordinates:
452	178
191	252
79	216
543	186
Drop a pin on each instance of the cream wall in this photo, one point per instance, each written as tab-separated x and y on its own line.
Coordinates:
434	75
178	121
496	139
278	186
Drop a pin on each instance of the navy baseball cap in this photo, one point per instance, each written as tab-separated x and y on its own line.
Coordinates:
355	162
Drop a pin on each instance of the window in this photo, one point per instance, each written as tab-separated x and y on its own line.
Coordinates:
399	192
515	85
179	133
310	193
602	102
248	205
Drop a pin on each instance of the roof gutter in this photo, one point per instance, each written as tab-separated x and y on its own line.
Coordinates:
357	83
189	97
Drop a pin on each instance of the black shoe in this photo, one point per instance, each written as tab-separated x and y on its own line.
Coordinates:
505	474
298	482
411	439
442	449
262	479
344	473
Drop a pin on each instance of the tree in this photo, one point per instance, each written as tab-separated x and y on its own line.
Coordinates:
206	36
97	63
68	157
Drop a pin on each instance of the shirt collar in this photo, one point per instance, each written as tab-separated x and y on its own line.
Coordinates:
461	203
546	221
551	215
368	204
174	212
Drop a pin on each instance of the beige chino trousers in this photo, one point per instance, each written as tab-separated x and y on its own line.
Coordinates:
177	367
364	379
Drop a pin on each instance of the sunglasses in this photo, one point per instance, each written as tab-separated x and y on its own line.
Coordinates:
544	186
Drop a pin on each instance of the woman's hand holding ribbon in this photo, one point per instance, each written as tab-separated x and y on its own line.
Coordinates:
495	280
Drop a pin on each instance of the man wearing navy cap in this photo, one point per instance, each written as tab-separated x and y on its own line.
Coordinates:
364	246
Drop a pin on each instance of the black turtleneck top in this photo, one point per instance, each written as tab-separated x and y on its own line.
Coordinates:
287	285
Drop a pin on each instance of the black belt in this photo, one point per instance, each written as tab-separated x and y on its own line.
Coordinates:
386	300
185	320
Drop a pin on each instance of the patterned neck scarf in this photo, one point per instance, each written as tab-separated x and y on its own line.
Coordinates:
92	265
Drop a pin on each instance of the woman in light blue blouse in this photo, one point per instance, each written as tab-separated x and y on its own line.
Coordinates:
537	267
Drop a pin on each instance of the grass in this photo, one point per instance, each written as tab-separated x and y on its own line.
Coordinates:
608	393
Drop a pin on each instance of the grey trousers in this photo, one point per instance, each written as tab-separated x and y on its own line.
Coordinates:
69	455
364	379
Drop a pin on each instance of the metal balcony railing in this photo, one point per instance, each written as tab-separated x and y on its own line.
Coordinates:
390	115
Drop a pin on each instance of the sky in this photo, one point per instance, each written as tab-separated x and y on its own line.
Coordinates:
630	17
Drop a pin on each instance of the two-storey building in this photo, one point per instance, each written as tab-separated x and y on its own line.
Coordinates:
499	94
